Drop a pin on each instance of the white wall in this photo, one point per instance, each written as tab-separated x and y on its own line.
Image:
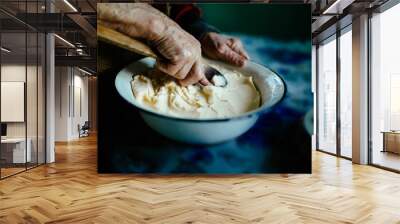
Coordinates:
62	81
79	117
70	83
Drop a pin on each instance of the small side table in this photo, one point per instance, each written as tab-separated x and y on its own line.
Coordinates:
391	141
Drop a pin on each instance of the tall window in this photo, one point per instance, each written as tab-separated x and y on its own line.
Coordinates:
345	92
327	95
385	87
22	101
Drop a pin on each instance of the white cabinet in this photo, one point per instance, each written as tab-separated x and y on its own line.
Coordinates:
17	146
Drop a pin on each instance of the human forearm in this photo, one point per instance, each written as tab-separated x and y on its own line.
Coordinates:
180	52
138	20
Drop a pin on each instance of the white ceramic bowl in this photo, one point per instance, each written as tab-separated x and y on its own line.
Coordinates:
204	131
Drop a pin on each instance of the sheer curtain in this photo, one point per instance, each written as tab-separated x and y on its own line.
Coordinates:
327	96
346	93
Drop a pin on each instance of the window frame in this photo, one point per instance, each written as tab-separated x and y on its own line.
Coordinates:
337	34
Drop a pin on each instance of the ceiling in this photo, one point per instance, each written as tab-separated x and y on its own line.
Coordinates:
336	15
72	20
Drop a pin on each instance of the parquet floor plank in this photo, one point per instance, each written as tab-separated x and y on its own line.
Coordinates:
71	191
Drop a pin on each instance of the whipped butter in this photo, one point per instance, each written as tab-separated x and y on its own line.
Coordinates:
163	94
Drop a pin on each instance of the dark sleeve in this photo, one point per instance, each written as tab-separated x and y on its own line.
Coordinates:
188	16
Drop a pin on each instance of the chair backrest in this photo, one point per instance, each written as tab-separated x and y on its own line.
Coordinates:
86	124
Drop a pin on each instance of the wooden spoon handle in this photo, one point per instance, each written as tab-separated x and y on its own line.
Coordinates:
124	41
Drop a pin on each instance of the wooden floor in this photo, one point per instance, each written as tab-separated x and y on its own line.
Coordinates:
71	191
5	172
8	171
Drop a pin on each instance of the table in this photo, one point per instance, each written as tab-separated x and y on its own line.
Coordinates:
15	148
391	141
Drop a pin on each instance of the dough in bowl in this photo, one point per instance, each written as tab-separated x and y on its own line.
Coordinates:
161	93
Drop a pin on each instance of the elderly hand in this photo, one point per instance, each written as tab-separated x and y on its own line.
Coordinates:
220	47
180	51
183	54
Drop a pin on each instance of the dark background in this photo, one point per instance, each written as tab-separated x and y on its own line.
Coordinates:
278	141
282	22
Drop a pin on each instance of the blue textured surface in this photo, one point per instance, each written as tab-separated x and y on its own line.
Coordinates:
277	143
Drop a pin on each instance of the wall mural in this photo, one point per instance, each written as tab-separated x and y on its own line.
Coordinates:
205	88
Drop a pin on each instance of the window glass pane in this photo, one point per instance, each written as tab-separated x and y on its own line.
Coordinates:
345	94
385	84
327	96
15	150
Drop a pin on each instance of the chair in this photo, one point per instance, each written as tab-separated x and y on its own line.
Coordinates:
84	130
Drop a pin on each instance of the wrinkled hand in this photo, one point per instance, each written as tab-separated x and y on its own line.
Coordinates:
180	51
228	49
183	54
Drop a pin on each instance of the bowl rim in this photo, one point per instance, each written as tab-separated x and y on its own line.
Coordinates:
248	114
